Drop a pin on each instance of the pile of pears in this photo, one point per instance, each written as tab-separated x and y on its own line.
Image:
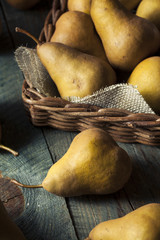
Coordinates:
94	40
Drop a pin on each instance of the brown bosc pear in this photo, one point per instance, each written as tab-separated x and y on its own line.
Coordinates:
76	29
8	229
93	164
142	223
127	38
74	73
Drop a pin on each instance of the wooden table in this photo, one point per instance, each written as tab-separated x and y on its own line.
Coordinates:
41	215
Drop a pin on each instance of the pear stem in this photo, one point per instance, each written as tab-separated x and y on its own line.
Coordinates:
9	150
17	29
24	185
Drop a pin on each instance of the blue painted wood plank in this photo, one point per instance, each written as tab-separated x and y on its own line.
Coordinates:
45	216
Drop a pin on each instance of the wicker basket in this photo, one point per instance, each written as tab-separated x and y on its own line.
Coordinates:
122	125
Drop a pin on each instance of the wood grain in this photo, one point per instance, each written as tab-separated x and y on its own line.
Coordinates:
44	215
12	198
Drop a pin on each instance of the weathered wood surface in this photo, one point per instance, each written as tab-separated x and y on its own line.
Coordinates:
44	216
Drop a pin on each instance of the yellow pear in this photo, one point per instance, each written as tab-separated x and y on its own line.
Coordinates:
127	38
22	4
75	73
146	76
140	224
8	229
85	5
93	164
150	10
81	5
76	29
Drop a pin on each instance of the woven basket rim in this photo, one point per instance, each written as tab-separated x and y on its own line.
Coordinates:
63	103
123	125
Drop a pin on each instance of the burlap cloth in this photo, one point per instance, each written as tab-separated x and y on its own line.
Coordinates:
121	96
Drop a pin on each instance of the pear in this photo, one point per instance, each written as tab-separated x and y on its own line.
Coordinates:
81	5
85	5
150	10
8	229
146	77
127	38
93	164
140	224
76	29
74	73
22	4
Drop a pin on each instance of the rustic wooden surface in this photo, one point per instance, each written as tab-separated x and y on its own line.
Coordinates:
41	215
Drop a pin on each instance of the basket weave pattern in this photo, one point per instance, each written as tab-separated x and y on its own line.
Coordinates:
122	125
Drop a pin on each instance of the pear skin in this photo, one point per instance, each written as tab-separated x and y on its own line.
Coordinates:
8	229
93	164
146	77
140	224
127	38
76	29
81	5
150	10
75	73
85	5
